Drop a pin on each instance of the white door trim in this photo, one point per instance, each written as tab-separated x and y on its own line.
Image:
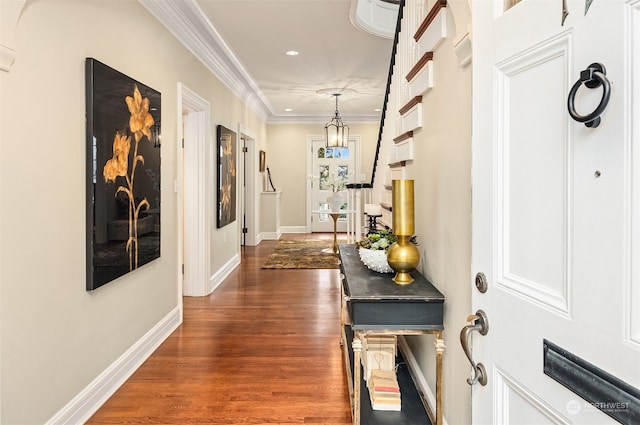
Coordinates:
194	177
251	183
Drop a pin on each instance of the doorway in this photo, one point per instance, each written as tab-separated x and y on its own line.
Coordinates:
248	187
326	166
194	192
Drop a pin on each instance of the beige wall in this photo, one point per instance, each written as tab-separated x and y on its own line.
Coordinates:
442	174
287	160
56	337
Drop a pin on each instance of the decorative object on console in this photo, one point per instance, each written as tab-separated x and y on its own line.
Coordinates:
375	260
403	256
379	240
379	353
384	390
373	250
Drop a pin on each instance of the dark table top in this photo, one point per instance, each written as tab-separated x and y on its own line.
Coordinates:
360	283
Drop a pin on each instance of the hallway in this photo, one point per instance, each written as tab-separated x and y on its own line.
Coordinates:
263	348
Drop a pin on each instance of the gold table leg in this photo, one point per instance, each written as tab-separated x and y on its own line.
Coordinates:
439	343
334	247
335	232
357	349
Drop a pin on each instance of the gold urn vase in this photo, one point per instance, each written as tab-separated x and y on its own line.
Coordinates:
403	256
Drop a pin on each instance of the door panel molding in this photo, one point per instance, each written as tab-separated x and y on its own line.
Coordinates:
511	393
533	234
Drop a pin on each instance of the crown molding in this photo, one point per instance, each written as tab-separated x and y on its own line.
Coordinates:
188	23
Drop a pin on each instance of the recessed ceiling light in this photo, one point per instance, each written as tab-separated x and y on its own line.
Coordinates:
288	109
377	110
292	53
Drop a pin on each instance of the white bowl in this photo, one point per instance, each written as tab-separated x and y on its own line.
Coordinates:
375	260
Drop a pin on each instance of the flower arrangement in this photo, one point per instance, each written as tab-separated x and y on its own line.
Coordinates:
381	240
333	182
378	240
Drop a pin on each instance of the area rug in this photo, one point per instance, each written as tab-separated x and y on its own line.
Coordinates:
302	254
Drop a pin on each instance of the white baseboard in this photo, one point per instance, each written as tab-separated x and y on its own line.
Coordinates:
418	376
293	229
270	236
89	400
223	272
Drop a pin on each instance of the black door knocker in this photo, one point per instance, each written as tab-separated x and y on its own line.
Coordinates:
592	77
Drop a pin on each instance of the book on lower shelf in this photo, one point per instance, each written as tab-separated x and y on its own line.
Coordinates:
378	352
394	406
384	390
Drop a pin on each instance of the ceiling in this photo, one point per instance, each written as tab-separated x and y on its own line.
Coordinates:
344	47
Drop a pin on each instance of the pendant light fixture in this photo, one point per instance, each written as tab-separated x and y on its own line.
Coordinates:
336	133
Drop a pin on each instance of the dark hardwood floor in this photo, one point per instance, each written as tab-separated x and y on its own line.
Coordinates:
263	348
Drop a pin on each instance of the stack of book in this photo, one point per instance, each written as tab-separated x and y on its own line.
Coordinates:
379	364
384	390
379	353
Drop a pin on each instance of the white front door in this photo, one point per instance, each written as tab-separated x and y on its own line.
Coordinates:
555	207
328	166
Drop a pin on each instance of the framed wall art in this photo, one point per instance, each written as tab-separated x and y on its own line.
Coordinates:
263	162
123	174
226	145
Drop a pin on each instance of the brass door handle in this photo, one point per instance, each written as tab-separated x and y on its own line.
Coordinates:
480	323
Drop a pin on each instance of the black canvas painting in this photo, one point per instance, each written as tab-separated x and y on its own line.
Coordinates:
123	174
226	146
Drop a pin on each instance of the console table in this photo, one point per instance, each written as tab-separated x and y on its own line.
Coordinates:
372	304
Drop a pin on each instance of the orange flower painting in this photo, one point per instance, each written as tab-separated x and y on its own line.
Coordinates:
119	164
141	120
140	125
123	177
